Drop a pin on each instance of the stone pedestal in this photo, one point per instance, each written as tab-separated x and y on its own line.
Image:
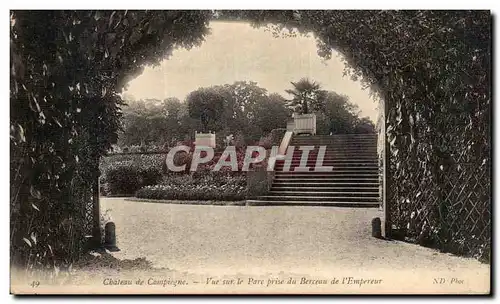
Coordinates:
305	124
204	139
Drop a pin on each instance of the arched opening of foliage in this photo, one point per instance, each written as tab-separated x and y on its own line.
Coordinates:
431	68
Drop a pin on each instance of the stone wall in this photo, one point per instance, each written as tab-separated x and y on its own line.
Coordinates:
259	182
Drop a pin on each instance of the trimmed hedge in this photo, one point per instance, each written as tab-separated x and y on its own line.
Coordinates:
212	186
125	178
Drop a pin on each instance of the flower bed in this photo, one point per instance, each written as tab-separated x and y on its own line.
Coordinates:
125	174
210	186
148	177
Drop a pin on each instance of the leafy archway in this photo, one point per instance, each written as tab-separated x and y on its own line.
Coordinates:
431	68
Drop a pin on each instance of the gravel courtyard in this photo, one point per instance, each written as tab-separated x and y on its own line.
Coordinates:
269	240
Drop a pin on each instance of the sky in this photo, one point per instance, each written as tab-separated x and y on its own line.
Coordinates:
235	51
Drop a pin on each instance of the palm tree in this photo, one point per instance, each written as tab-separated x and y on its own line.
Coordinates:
305	94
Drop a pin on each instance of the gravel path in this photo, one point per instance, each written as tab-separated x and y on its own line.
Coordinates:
272	240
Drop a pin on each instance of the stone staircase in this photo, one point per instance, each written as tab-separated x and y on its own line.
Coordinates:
353	181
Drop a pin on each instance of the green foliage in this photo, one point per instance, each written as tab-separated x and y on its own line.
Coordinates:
126	178
242	108
271	113
306	96
215	186
239	108
155	122
277	135
364	125
338	114
235	108
206	104
67	68
334	112
125	174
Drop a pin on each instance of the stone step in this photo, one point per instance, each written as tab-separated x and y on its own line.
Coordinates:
311	167
338	178
320	192
322	183
335	142
335	138
318	198
330	145
317	146
356	173
329	164
338	144
333	179
334	171
333	155
287	187
269	202
340	160
344	161
309	163
339	156
353	181
337	151
312	164
353	139
327	179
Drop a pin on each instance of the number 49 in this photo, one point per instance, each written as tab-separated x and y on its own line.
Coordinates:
35	284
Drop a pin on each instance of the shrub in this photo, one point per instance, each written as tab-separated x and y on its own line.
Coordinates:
239	141
211	186
266	142
180	158
124	178
135	148
277	135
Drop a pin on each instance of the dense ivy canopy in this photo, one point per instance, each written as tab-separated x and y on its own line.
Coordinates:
67	69
431	69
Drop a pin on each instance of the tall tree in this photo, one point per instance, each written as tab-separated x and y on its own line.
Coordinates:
339	115
241	100
206	104
155	122
364	125
271	113
306	96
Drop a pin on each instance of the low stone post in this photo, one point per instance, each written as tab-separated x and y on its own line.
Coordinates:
110	237
377	228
